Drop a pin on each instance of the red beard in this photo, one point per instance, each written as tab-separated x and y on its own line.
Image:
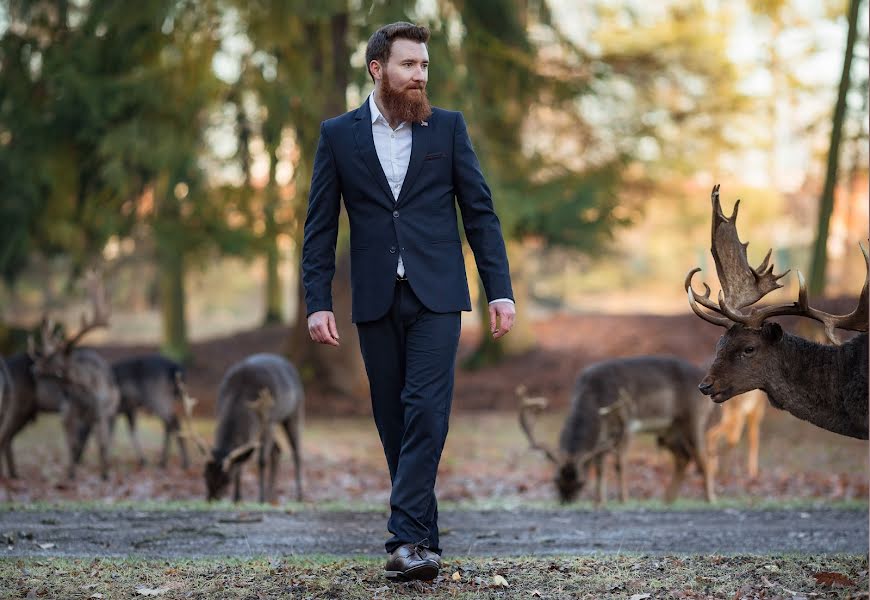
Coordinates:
411	104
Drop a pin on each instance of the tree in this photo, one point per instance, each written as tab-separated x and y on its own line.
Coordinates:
826	202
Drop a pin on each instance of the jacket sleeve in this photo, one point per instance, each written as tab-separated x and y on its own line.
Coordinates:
321	228
482	227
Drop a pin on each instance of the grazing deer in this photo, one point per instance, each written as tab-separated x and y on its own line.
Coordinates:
616	398
744	410
825	385
151	383
255	397
6	391
79	380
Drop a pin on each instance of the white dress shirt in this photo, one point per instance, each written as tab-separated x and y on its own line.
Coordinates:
394	151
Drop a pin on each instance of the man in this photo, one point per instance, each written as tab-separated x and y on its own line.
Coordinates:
402	167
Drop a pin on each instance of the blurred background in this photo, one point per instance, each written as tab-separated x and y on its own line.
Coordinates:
170	145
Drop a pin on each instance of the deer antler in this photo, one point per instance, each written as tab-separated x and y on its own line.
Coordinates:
188	403
743	285
97	293
527	407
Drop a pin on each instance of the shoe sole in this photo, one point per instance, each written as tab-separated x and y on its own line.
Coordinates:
420	573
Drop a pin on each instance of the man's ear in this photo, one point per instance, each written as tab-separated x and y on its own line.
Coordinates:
771	332
375	68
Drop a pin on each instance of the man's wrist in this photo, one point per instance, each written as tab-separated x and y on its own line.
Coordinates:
502	300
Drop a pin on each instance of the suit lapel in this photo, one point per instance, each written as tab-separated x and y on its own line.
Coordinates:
365	145
419	146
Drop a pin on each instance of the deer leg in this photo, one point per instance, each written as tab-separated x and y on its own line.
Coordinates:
274	456
261	471
600	483
699	452
10	461
753	434
681	461
6	449
103	443
134	437
291	427
620	473
179	439
237	485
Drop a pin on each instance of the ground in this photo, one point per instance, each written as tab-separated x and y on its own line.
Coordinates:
812	481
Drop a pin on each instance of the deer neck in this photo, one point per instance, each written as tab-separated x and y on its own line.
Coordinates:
810	382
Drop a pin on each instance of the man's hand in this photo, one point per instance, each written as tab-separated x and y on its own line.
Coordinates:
321	327
501	318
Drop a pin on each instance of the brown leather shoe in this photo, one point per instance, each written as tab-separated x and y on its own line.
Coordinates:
406	564
427	554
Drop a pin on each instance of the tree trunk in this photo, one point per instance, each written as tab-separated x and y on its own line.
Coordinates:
333	369
173	301
274	312
826	204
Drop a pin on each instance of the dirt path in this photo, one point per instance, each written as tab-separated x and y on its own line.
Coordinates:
490	533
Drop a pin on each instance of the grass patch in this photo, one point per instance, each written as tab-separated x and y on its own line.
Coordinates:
553	577
734	503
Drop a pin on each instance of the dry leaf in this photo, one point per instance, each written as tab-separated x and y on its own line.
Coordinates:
536	593
499	581
97	596
143	591
640	597
456	576
830	579
48	546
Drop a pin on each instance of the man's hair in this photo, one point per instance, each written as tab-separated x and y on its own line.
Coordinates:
382	40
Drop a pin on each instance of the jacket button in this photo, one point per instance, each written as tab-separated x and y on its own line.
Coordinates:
395	214
392	249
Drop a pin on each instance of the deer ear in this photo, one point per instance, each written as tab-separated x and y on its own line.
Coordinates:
771	332
237	458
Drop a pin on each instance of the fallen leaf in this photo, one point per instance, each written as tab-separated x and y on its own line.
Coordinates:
143	591
536	593
499	581
48	546
830	579
456	576
772	568
640	597
97	596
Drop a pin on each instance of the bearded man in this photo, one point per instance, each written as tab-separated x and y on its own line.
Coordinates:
402	167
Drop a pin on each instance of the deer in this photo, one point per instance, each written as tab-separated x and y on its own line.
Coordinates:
745	410
150	382
260	400
614	399
73	380
823	384
6	392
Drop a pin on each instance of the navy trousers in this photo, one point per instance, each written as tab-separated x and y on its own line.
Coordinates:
409	356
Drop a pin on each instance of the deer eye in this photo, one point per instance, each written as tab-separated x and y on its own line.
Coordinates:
749	350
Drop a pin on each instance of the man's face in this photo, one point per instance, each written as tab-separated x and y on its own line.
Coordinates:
401	84
407	69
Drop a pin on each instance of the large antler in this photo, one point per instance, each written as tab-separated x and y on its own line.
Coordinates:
528	407
97	294
742	285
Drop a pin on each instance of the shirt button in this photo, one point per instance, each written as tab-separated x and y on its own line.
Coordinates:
395	214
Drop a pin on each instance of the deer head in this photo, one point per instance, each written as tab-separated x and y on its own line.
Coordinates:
751	339
51	356
572	469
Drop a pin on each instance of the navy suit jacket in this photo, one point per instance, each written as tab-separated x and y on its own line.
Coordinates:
421	224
